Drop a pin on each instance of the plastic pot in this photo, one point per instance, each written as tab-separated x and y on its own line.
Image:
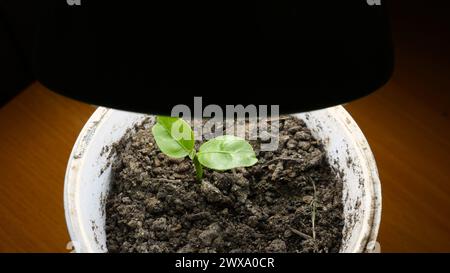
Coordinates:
87	180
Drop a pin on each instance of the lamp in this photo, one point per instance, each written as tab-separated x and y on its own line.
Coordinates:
148	57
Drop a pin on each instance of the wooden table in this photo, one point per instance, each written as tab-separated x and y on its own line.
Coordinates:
406	123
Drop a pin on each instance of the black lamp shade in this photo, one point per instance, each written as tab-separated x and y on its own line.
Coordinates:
147	57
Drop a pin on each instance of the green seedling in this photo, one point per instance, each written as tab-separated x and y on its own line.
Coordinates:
175	138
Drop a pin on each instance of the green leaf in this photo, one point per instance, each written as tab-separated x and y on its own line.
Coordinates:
174	137
226	152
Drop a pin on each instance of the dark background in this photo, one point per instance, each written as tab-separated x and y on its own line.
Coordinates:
17	33
406	123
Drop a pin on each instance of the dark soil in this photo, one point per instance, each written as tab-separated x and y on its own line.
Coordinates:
290	201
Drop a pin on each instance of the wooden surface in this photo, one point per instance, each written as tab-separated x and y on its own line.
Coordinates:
408	130
406	123
37	132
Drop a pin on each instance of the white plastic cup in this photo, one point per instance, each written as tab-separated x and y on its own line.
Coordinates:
87	181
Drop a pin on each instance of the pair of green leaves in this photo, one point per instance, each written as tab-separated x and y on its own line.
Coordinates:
175	138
